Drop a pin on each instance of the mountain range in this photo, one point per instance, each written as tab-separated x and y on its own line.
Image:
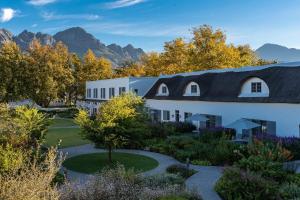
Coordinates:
78	41
279	53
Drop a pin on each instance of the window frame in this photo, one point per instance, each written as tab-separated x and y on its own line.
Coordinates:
164	89
166	115
122	90
256	87
195	87
111	92
95	93
88	93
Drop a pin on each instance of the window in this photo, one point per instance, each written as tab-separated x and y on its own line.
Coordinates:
256	87
94	111
166	115
102	93
187	115
122	90
136	91
194	89
89	93
95	93
164	90
111	92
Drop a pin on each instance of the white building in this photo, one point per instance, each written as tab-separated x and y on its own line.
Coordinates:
268	95
103	90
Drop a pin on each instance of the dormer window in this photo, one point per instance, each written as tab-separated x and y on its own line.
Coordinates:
192	89
254	87
163	90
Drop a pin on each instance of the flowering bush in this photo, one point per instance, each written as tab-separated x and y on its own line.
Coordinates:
112	184
290	143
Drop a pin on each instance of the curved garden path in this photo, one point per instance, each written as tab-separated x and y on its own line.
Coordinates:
203	181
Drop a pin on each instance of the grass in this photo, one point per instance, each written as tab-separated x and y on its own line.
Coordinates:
95	162
62	122
63	130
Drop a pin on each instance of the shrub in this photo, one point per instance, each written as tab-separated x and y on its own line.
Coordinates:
11	159
212	134
163	180
32	181
112	184
240	184
290	143
181	171
160	130
289	191
182	127
201	162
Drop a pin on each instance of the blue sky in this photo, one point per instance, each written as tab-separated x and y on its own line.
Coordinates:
150	23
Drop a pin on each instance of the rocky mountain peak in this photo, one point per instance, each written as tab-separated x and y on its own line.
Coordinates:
78	41
5	36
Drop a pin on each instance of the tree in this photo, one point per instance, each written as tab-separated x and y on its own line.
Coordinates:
120	121
152	64
12	66
48	72
130	69
206	50
92	69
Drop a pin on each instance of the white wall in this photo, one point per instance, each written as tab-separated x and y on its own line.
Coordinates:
287	116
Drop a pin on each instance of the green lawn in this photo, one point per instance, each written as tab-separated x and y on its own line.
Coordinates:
95	162
62	130
59	122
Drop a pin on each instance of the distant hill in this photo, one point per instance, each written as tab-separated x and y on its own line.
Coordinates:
78	41
278	53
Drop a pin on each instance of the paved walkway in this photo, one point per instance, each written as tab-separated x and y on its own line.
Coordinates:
203	181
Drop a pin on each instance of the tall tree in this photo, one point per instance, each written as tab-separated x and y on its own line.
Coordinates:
92	68
12	66
49	73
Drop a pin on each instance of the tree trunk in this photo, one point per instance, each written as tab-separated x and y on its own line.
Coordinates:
109	154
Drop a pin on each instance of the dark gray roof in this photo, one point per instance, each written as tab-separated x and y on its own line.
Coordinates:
283	83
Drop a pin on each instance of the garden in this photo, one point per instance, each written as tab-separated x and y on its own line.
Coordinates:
258	170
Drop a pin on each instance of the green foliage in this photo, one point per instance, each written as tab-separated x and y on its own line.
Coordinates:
181	170
22	126
236	184
258	174
289	191
120	121
11	159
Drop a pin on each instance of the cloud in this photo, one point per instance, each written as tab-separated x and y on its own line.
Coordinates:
34	25
145	29
123	3
7	14
52	16
40	2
